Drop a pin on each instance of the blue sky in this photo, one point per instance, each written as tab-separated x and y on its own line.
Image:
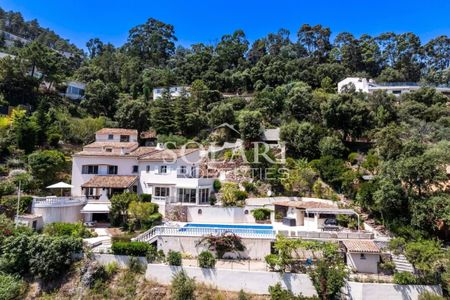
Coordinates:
207	21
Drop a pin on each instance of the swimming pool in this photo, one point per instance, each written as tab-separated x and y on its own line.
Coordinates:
235	228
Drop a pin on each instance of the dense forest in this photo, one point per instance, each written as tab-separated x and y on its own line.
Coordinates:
291	80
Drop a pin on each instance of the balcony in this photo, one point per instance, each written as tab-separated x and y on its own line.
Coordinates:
53	201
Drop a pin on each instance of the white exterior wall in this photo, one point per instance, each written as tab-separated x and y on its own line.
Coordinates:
124	167
367	265
361	84
66	214
219	214
116	137
235	280
255	248
377	291
170	179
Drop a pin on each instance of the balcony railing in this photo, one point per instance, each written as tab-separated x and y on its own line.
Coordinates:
51	201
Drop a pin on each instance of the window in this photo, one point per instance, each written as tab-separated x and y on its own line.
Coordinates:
90	192
147	169
124	138
186	195
108	149
134	188
396	92
183	170
362	256
89	169
199	211
163	169
112	170
193	171
110	137
162	191
246	212
135	169
204	195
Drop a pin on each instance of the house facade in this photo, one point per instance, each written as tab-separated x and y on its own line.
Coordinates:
369	86
115	163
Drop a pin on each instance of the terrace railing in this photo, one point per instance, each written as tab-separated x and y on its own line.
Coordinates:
52	201
154	232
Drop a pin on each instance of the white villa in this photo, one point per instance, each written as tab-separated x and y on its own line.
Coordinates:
369	86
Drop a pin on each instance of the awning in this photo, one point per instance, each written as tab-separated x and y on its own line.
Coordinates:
110	181
95	208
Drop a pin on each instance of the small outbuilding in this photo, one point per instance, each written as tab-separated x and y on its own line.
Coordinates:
362	256
35	222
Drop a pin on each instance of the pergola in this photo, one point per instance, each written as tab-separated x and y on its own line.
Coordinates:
334	211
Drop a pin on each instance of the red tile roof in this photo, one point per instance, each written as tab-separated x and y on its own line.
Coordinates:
112	145
361	246
122	131
304	204
110	181
167	154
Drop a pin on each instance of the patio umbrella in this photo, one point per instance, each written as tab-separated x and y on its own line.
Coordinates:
60	185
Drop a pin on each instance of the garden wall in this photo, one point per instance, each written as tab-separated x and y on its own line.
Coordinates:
235	280
377	291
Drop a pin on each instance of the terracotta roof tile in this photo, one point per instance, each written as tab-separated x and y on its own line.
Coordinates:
150	134
117	131
142	151
110	181
361	246
304	204
112	145
167	154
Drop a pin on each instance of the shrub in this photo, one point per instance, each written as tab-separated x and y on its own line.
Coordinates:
249	187
111	268
430	296
135	265
243	295
212	200
174	258
6	188
404	278
387	266
153	255
146	197
240	195
67	229
206	260
261	214
11	287
130	248
217	185
277	292
223	243
183	287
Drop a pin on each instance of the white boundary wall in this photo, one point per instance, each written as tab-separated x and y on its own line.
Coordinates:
235	280
377	291
258	282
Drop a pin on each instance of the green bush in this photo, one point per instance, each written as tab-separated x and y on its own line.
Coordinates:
261	214
217	185
206	260
430	296
212	200
111	269
183	287
130	248
67	229
146	197
174	258
6	188
9	205
240	195
249	187
11	287
404	278
135	265
154	256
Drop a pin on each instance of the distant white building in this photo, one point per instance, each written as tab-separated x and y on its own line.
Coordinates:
365	85
75	90
175	91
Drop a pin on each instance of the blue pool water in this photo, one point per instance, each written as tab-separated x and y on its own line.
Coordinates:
238	229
